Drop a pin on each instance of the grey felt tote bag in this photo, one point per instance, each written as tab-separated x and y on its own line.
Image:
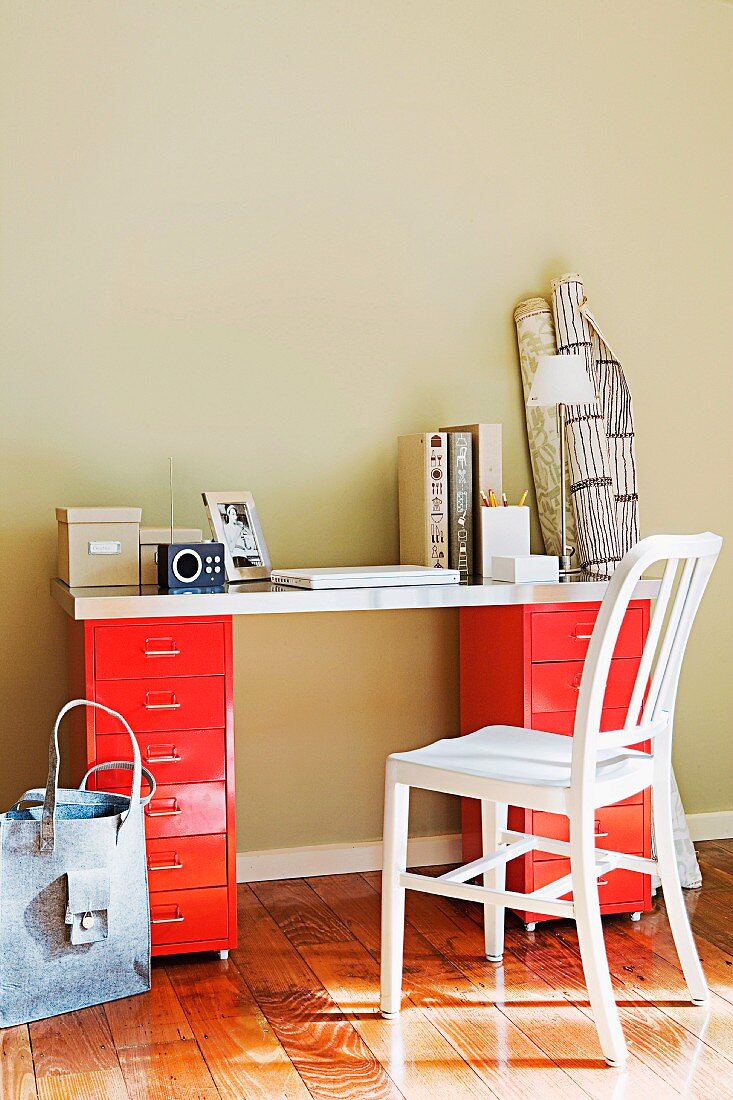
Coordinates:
74	918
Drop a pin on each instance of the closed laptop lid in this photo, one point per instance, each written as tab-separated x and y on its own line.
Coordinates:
362	576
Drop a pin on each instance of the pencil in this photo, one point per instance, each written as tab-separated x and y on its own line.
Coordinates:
523	498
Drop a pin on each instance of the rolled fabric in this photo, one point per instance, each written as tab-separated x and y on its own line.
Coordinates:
618	417
535	337
591	483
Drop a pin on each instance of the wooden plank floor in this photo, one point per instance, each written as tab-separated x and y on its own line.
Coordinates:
294	1012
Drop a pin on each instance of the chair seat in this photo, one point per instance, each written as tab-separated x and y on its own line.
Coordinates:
511	754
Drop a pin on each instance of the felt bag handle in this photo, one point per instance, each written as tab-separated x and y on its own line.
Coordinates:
48	818
123	765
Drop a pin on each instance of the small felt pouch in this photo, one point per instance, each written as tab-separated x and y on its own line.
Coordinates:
88	905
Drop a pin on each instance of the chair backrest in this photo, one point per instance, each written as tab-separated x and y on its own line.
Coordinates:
689	562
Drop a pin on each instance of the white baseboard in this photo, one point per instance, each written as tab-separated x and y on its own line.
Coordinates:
715	826
423	851
341	859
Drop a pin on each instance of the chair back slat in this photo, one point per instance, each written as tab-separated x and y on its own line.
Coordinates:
689	562
651	643
669	642
662	699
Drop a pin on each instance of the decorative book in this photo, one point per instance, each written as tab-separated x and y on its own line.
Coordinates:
460	503
486	442
423	494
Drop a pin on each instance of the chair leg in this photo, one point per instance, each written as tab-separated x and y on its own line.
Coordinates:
591	942
396	812
493	820
673	897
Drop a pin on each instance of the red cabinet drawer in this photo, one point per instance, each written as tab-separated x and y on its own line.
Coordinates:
616	888
180	863
555	687
564	635
184	916
563	721
182	756
186	809
165	704
620	828
178	649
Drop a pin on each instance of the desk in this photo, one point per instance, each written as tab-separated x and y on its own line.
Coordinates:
165	661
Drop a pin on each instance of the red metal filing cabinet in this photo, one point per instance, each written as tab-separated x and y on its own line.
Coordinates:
172	681
521	666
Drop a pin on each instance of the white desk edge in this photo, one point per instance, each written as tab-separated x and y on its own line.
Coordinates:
263	598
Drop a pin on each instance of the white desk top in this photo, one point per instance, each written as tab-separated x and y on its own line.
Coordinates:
263	598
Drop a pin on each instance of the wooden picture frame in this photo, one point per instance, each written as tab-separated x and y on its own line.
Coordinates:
234	522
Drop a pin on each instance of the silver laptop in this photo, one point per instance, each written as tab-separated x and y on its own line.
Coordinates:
376	576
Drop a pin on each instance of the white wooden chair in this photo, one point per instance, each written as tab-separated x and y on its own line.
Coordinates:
505	765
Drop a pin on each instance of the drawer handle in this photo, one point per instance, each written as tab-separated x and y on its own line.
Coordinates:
601	834
168	920
165	755
170	652
173	812
175	866
173	705
584	627
603	882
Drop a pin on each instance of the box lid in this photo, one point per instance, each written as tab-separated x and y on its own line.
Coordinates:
99	515
152	536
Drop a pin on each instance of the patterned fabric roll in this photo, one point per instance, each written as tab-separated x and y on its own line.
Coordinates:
591	483
618	418
536	336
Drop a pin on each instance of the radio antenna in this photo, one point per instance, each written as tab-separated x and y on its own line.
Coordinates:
170	490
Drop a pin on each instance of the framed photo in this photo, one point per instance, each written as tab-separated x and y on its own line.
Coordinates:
234	522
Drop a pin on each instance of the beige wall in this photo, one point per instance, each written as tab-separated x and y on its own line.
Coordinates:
268	237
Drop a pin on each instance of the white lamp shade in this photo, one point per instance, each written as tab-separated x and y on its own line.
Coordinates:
561	380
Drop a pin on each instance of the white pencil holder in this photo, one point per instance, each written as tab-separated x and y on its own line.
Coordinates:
504	533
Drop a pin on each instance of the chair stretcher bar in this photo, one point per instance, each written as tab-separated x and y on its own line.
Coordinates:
487	863
562	848
483	894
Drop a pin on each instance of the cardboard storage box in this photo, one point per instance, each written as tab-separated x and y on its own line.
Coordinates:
151	538
99	546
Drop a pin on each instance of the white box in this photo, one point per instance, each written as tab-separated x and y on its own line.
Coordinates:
504	533
530	568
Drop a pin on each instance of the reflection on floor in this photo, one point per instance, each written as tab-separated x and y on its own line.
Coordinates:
293	1013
